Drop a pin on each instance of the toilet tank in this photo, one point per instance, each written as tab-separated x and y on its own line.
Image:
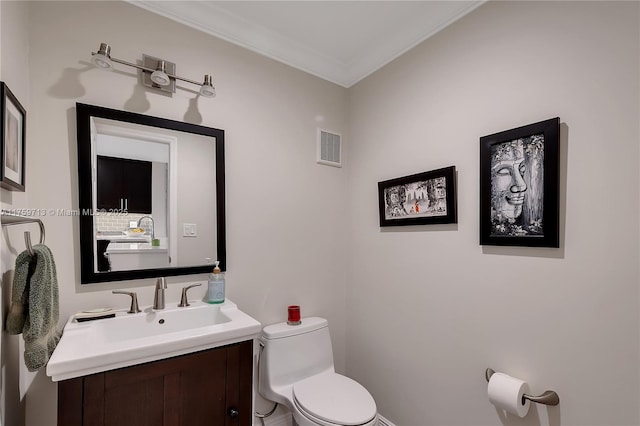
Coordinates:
293	352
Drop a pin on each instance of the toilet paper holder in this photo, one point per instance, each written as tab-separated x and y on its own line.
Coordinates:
548	397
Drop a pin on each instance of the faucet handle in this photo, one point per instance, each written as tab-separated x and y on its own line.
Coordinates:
134	309
183	300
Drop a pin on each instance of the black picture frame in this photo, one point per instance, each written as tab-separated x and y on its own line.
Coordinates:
426	198
84	115
519	186
13	135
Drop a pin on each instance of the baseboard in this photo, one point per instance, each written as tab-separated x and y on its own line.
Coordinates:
283	419
382	421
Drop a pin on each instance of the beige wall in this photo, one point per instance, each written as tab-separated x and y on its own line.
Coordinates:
284	213
14	71
428	308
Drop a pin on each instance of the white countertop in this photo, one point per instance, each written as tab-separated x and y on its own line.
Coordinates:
142	238
130	339
133	247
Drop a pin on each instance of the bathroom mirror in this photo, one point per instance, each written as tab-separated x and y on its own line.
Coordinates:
151	194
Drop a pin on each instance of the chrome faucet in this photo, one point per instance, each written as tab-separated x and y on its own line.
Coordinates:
158	300
153	226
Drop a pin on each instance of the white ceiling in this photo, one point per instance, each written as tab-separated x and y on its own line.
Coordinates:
339	41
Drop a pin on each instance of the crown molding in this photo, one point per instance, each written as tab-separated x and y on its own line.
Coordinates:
211	19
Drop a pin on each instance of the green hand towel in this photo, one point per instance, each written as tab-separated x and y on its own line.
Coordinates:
34	309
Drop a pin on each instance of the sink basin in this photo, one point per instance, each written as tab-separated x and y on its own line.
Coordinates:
130	339
152	323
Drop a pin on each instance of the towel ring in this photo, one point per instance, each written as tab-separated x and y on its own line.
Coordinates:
9	219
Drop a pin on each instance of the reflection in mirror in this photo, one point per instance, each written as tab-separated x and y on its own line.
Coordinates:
151	196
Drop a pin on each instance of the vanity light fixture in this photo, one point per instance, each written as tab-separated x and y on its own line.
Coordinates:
156	73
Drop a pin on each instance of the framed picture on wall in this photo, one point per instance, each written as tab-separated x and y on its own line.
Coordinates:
421	199
519	186
13	140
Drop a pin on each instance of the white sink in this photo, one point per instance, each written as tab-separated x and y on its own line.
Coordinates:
152	323
130	339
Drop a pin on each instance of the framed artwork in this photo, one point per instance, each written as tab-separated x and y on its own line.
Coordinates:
421	199
13	141
519	186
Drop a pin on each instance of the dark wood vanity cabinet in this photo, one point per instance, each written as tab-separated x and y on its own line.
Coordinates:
124	184
212	387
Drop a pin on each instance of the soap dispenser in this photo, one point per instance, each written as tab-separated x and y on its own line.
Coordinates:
215	290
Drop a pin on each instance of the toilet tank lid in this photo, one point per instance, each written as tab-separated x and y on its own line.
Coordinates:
282	329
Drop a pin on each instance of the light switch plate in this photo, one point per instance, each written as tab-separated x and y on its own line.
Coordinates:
133	224
189	230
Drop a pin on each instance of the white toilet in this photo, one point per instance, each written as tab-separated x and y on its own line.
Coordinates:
296	370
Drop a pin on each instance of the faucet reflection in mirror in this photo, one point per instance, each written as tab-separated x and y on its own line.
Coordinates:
156	73
153	228
143	179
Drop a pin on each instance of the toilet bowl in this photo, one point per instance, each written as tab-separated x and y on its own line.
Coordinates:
297	370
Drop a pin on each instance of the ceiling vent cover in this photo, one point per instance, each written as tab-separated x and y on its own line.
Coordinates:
329	148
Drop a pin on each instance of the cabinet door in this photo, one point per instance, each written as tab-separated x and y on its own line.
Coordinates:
239	384
109	187
137	186
212	387
124	184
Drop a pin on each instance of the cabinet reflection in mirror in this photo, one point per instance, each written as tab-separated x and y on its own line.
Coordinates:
151	196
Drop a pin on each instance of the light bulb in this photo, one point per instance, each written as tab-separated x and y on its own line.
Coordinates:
207	90
102	59
159	77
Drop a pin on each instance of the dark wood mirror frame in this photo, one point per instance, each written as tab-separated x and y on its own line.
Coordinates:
84	113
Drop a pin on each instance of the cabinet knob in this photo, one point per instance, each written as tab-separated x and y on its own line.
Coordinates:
233	412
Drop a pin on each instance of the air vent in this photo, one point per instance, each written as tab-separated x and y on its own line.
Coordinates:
329	148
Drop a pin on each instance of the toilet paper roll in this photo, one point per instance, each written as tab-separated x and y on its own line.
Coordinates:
505	392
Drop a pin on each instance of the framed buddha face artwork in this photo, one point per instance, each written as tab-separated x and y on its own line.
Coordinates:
519	187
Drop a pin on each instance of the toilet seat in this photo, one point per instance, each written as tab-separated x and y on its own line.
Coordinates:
333	399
